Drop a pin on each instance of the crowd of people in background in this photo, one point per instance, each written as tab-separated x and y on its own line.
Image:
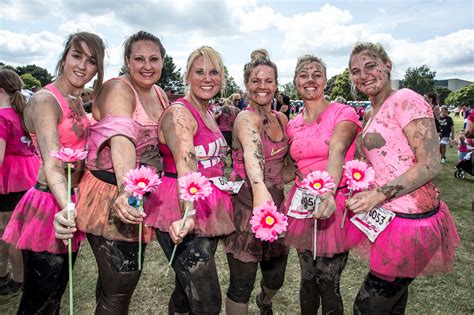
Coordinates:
128	121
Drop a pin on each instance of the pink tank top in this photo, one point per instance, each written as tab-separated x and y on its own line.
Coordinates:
273	154
145	130
72	128
210	147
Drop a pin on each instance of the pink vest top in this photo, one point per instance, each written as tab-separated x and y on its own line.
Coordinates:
273	154
210	147
142	130
71	129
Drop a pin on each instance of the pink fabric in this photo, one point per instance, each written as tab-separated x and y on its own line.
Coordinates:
227	118
407	247
273	152
72	128
470	117
392	155
140	129
20	163
214	213
31	225
309	148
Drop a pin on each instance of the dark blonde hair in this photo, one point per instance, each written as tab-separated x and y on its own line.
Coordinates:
12	84
97	48
307	59
259	57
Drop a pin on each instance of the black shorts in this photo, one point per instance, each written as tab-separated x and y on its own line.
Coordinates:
9	201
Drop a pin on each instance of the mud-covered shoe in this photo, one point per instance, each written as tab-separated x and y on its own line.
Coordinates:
11	287
265	309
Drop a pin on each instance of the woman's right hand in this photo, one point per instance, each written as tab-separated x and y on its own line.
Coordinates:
125	212
64	229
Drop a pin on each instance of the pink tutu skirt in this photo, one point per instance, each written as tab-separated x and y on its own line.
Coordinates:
331	238
213	214
242	243
18	173
94	213
31	224
408	248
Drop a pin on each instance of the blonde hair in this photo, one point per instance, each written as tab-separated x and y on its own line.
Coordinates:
212	59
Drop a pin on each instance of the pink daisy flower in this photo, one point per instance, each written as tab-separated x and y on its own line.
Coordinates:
194	186
318	182
141	180
359	175
267	223
69	155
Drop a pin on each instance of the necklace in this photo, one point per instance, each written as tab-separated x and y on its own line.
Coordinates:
73	97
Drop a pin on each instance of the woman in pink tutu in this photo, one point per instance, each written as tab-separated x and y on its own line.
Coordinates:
321	138
55	118
18	169
127	111
190	141
259	149
401	144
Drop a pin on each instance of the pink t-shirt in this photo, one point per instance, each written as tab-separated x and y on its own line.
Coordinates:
309	143
227	118
386	147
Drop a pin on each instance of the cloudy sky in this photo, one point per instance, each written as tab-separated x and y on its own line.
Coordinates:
437	33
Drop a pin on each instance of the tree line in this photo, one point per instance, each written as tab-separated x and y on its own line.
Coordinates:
419	79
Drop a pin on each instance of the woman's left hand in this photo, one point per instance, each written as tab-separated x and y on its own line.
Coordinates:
327	206
365	201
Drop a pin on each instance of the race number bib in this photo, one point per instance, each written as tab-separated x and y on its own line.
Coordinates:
373	223
303	204
222	183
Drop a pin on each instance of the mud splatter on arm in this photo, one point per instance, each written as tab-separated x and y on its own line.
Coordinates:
423	140
247	130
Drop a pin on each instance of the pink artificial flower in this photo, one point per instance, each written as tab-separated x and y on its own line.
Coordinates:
141	180
318	182
267	223
69	155
359	175
194	186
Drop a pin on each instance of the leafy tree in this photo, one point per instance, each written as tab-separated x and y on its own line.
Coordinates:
171	78
442	92
230	86
29	80
39	73
330	85
290	90
420	79
459	97
4	66
342	87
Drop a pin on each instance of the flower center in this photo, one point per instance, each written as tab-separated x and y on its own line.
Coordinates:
141	185
193	190
317	185
357	175
268	221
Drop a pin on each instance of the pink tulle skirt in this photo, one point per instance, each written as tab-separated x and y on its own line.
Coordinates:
331	239
31	224
242	243
94	213
213	214
18	173
411	247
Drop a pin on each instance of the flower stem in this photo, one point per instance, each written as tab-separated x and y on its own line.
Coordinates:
69	242
315	239
345	210
186	209
140	232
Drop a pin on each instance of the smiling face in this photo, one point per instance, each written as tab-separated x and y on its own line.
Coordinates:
145	63
204	81
79	67
369	73
310	81
261	85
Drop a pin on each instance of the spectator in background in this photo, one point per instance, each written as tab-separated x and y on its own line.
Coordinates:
18	169
243	101
432	99
466	110
447	132
464	145
227	117
86	96
283	104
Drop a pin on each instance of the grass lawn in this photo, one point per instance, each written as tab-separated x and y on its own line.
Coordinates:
445	294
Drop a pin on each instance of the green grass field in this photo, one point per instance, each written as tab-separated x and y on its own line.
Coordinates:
446	294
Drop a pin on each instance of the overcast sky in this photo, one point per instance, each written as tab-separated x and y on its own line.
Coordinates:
437	33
